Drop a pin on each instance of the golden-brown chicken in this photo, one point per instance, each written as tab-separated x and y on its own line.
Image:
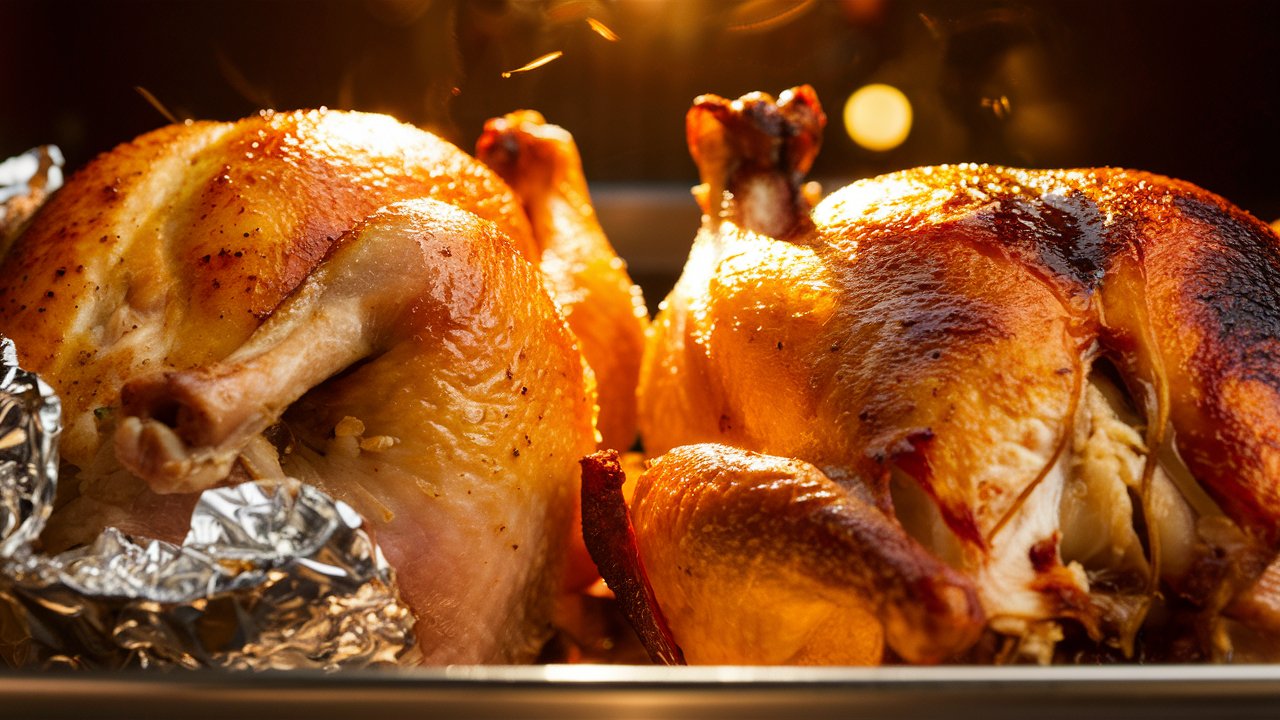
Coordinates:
216	223
1064	384
212	293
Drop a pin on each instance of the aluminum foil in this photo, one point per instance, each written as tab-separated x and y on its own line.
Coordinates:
30	422
25	182
272	575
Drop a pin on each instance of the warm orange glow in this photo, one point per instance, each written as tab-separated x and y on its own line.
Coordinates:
535	63
602	30
878	117
759	15
1000	106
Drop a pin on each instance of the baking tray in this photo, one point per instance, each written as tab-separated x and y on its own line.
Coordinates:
652	226
585	691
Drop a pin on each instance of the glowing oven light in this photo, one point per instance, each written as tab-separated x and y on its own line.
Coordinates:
878	117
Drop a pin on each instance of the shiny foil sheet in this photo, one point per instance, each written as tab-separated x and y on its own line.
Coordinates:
272	575
25	181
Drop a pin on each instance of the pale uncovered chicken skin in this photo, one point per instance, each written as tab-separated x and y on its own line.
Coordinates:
958	413
331	296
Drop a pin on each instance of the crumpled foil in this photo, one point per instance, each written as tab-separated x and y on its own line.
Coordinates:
30	422
272	575
26	180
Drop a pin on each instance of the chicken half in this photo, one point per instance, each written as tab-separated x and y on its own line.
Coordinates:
332	296
957	412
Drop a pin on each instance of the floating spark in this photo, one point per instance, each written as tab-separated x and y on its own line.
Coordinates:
602	30
535	63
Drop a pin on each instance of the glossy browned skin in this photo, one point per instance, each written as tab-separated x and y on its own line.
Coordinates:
1174	283
454	356
168	251
767	560
586	277
414	367
941	322
610	536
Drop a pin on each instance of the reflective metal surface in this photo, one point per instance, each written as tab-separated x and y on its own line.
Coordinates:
1081	693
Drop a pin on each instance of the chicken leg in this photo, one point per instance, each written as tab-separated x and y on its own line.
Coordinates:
201	303
430	384
765	558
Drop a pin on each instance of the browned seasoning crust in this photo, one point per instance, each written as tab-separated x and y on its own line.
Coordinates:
611	541
750	529
203	228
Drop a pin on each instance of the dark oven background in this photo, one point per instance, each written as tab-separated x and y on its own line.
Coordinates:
1189	89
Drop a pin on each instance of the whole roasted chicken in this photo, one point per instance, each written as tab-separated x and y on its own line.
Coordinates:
953	413
335	297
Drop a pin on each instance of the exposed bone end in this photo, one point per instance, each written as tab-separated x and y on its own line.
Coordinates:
752	155
200	409
153	451
179	431
756	130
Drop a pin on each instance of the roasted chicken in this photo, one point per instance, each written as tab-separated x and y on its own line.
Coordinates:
956	413
331	296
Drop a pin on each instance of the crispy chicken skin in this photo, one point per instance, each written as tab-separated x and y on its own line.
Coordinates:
170	250
260	298
753	555
933	341
472	413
